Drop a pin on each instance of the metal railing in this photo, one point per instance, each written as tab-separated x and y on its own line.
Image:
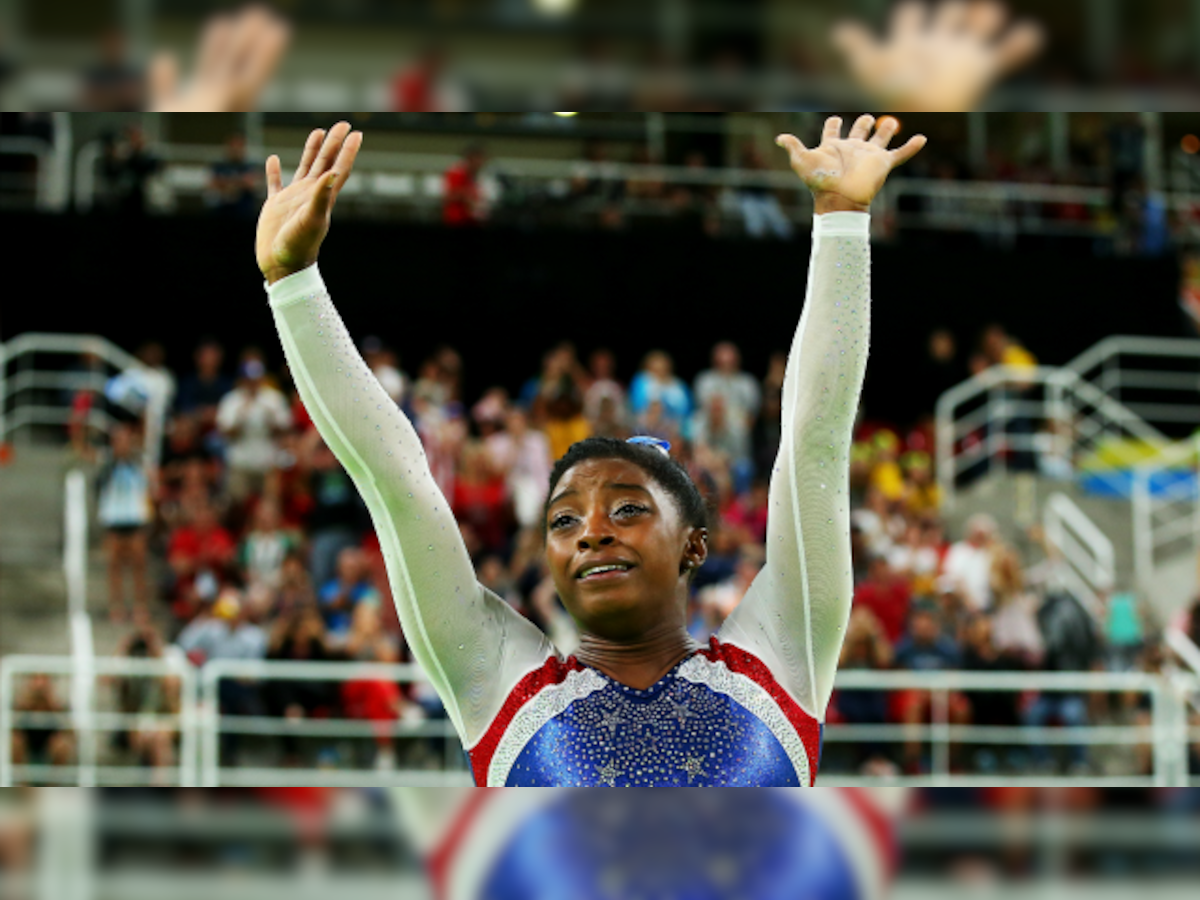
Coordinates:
1155	378
35	393
1166	510
1088	569
201	725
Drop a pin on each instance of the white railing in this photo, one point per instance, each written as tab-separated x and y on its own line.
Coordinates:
1165	394
201	725
1088	563
992	418
83	678
184	723
216	725
1166	510
21	408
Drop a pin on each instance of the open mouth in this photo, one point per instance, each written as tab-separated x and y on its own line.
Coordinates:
605	571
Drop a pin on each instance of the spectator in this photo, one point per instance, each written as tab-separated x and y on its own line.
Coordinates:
233	183
918	557
201	555
338	517
747	514
555	399
925	649
113	84
298	635
887	594
866	648
968	563
295	591
252	416
128	166
1001	349
265	546
1072	645
761	212
740	392
381	361
942	369
462	201
522	456
151	744
45	745
657	383
718	601
200	393
424	86
990	708
1014	628
124	508
481	499
604	388
341	595
376	700
768	428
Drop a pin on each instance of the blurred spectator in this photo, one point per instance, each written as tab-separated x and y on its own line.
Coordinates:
234	182
941	370
340	596
717	601
887	594
924	648
866	648
657	383
555	399
1126	156
481	498
1015	630
295	591
41	745
968	563
922	494
990	708
695	205
151	744
597	186
1125	632
747	514
1001	349
201	392
251	417
761	212
1072	645
462	201
265	546
424	86
201	554
376	700
604	398
770	419
113	83
381	361
124	509
298	635
127	167
740	398
338	515
522	456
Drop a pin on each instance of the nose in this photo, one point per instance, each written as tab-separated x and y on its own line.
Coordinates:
598	533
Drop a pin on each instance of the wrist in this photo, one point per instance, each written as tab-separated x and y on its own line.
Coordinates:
824	204
277	273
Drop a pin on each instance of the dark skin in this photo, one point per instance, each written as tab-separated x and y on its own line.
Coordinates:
633	624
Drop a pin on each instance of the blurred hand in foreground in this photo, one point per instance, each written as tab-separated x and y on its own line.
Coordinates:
295	219
938	58
845	174
237	55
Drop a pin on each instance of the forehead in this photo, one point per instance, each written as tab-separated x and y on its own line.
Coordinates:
596	473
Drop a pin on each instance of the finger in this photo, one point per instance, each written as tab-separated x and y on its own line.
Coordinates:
903	154
163	80
862	128
1021	44
311	146
985	19
274	176
261	63
793	145
345	161
833	129
323	196
909	18
951	16
214	46
888	127
329	150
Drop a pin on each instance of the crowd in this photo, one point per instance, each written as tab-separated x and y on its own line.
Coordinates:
251	542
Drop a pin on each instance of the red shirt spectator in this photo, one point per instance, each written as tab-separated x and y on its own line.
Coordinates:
201	544
461	202
887	596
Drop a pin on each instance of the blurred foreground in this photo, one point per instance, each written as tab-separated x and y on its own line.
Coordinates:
70	844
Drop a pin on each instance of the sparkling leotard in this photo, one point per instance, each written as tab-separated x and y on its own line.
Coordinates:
744	711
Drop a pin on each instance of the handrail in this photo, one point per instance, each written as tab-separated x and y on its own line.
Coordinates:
75	550
1166	516
1085	550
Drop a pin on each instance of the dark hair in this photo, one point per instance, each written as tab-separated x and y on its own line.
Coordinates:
664	469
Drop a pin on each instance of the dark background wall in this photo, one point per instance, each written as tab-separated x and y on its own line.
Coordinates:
502	297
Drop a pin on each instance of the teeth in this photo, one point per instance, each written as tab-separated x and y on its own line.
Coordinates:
599	569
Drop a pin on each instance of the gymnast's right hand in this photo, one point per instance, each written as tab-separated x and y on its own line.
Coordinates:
295	219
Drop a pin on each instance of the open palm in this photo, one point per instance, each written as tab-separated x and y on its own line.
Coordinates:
849	172
295	219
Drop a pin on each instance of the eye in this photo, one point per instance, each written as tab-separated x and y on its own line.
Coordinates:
626	510
559	522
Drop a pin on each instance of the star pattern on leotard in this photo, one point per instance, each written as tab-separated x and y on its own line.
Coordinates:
694	766
609	773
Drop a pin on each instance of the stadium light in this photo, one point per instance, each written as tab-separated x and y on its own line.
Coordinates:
566	115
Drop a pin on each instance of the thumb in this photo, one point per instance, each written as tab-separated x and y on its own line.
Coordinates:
793	146
163	80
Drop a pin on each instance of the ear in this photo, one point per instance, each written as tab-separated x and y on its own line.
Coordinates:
695	552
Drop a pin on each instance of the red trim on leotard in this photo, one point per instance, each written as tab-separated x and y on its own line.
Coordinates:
743	663
554	671
879	825
442	857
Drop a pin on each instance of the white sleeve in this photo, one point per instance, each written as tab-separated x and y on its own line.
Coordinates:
472	645
794	615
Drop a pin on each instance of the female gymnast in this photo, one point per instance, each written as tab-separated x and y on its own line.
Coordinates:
639	703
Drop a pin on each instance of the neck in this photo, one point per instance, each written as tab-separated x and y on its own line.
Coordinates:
639	663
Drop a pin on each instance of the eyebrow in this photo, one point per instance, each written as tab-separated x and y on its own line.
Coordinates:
617	485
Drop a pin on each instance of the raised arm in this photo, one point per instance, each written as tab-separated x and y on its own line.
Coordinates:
795	614
469	641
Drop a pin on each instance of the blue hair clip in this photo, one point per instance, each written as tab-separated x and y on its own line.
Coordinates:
663	446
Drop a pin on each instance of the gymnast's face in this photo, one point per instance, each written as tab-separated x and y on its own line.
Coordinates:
617	547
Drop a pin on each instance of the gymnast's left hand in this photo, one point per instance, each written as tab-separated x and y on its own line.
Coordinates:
295	219
845	174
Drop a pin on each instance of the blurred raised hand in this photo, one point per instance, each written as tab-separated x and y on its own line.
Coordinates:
845	174
941	57
237	55
295	219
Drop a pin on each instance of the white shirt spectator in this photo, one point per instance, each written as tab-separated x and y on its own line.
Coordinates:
252	417
970	568
526	460
743	397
